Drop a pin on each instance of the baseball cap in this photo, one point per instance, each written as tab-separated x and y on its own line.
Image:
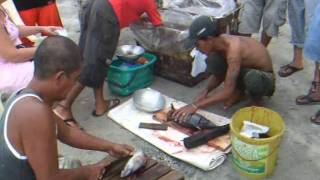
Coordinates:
203	27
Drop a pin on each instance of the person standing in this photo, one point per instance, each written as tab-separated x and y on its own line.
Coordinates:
270	14
300	13
312	52
101	22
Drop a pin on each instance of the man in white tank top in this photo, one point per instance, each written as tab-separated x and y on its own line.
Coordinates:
29	128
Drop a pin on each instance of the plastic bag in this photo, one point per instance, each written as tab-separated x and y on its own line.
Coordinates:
170	38
215	8
199	64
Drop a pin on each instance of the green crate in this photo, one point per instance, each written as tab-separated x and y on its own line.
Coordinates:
125	81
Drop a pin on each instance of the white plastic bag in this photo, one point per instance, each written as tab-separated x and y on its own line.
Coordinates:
199	64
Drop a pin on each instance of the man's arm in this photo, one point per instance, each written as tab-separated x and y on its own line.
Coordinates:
229	85
233	58
233	70
9	52
25	31
82	140
153	13
214	82
38	136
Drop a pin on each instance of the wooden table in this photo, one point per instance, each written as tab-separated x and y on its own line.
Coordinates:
152	171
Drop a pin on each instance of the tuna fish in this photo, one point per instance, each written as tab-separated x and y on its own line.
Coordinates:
137	161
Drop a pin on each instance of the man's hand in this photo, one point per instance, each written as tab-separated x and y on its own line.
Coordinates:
182	113
97	171
120	150
49	30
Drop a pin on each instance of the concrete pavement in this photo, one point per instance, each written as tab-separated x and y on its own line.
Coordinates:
299	152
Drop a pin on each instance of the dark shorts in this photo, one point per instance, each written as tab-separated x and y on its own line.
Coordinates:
98	40
256	82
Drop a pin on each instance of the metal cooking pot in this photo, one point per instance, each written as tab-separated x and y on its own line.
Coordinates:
129	53
148	100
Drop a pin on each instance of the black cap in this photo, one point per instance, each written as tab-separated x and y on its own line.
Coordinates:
202	27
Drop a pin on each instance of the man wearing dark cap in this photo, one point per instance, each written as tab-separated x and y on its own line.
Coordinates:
241	63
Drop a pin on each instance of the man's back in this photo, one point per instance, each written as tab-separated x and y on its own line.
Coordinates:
253	54
11	159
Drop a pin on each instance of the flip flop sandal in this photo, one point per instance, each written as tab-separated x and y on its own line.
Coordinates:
316	118
288	70
112	103
73	121
306	100
68	120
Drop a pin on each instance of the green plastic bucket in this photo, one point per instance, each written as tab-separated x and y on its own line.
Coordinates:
124	81
256	158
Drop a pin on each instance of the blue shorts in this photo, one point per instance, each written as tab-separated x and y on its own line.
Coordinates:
300	13
312	44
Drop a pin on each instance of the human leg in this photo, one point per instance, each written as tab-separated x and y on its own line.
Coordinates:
63	108
296	14
250	17
314	92
265	39
49	15
235	97
312	52
258	84
100	44
29	16
102	105
274	16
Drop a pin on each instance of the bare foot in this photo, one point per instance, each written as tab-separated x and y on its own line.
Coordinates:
236	97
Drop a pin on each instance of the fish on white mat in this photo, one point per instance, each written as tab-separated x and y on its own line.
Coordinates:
137	161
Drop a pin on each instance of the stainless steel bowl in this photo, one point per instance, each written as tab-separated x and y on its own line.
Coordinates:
148	100
129	53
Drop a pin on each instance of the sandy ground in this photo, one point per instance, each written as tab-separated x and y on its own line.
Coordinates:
299	151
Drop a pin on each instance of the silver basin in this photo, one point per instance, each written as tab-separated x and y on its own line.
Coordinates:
129	53
148	100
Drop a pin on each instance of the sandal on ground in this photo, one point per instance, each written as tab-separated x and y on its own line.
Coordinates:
71	122
308	99
111	104
288	70
316	118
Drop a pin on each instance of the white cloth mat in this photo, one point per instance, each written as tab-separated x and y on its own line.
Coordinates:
170	141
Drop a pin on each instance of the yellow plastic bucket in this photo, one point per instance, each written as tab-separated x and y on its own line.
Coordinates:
256	158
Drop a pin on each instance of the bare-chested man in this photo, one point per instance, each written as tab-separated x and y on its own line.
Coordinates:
29	129
241	63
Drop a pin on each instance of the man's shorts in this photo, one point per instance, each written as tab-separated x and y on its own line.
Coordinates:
98	40
271	13
256	82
